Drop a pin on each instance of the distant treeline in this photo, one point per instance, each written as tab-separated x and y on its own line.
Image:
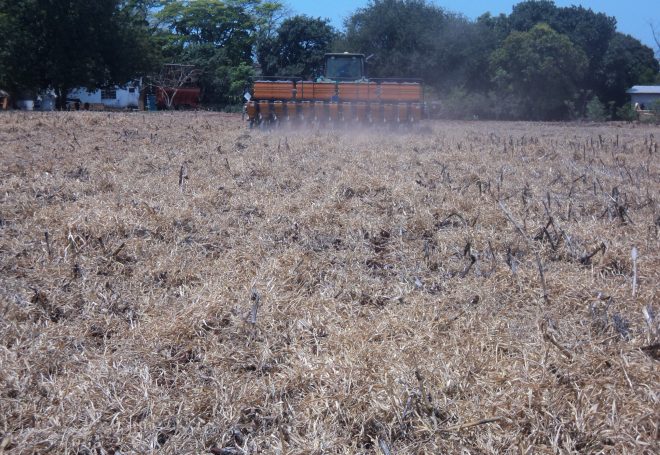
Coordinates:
539	62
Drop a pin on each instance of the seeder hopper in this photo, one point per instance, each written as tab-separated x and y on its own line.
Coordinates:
343	95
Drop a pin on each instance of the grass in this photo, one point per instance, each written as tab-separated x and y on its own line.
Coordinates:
177	283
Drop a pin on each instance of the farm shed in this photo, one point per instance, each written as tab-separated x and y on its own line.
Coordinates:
113	97
4	100
644	95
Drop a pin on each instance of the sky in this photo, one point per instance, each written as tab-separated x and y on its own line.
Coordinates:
633	16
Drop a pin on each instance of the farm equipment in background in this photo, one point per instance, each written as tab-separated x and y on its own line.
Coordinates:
342	95
176	87
178	97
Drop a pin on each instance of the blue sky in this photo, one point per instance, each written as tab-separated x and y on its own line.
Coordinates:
633	16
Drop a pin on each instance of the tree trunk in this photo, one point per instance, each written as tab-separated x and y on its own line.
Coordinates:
61	93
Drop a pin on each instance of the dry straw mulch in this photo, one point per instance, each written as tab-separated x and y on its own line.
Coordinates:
177	283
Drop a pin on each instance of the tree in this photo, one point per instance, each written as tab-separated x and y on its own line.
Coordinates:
588	30
402	37
627	62
297	48
134	50
171	78
15	45
222	80
529	13
499	26
42	48
216	37
541	67
656	38
465	50
417	39
596	111
224	25
268	16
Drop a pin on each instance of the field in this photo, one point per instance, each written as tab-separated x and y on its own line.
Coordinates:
177	283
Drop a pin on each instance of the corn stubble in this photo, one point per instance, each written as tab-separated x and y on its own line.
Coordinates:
176	283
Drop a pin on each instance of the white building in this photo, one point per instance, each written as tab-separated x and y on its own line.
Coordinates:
114	97
644	95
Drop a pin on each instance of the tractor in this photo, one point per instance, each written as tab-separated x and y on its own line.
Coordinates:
342	95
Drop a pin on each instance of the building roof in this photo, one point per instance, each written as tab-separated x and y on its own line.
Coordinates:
645	89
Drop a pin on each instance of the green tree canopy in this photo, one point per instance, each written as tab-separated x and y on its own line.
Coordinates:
218	37
401	35
226	25
627	62
541	68
75	43
588	30
416	38
267	18
297	48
